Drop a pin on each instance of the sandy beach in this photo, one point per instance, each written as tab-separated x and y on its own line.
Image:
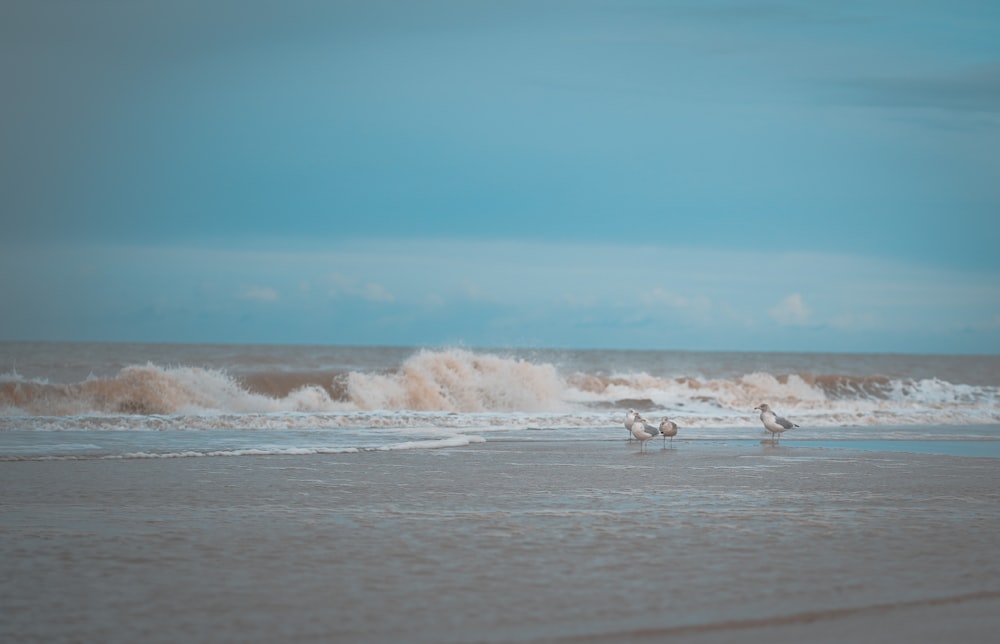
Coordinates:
522	542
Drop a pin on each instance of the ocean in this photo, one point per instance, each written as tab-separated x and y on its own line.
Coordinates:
91	400
258	494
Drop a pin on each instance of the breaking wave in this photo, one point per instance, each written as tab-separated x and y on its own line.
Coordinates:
459	381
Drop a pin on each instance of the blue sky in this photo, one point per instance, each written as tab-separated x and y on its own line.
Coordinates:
622	174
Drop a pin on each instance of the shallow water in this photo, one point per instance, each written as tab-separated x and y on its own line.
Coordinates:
497	541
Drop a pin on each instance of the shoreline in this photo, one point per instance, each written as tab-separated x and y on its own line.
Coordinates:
973	441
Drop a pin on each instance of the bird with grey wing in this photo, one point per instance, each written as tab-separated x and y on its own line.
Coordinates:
643	431
772	422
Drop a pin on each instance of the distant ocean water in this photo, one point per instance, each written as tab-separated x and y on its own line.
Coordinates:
93	400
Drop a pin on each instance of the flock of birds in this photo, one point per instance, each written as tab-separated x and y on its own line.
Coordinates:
642	430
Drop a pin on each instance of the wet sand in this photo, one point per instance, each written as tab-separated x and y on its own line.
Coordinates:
529	542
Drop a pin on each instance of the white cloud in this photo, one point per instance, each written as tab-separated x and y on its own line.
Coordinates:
579	301
698	305
739	300
376	293
346	286
791	311
471	289
433	301
659	296
259	294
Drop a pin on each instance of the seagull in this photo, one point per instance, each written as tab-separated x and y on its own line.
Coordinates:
629	419
772	423
668	429
643	431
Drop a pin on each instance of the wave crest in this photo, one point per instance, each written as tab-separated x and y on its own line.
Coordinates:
461	381
152	390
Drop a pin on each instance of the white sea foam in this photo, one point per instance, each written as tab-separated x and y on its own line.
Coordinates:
456	388
251	444
460	380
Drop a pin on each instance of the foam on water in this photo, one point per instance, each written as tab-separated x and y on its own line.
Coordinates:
459	380
78	444
447	397
69	452
463	381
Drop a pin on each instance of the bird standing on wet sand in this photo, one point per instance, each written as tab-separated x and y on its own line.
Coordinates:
629	419
772	423
668	429
643	431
